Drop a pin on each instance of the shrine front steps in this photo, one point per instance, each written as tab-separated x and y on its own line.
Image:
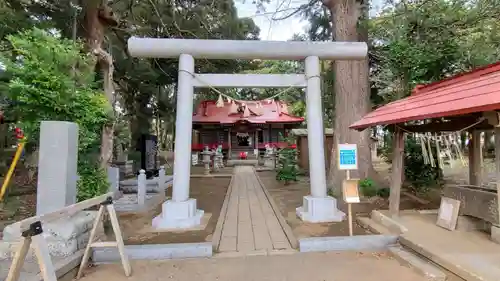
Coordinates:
378	223
242	162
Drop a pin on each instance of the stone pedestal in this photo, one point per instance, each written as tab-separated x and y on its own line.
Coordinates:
114	179
57	164
495	233
323	209
64	237
178	215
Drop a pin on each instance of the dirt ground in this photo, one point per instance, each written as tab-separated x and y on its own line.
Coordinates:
16	208
209	193
330	266
289	197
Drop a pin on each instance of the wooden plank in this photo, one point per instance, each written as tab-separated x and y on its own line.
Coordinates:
105	244
450	126
17	263
64	212
284	225
497	165
119	239
396	172
86	254
222	216
42	254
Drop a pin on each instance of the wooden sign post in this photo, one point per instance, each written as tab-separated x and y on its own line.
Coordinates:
348	160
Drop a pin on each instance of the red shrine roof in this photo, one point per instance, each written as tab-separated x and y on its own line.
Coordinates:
259	112
475	91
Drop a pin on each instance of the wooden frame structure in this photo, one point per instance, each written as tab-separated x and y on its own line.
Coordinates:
466	102
31	229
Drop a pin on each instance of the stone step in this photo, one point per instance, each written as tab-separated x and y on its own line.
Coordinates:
372	225
420	265
390	223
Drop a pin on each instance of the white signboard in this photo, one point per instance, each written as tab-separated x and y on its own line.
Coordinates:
347	156
194	159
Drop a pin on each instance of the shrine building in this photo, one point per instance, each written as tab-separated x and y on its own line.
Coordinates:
241	126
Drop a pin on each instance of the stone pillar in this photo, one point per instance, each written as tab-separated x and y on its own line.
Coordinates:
183	129
495	229
57	164
181	211
141	188
162	178
114	179
317	207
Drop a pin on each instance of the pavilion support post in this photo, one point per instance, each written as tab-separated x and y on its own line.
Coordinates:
495	229
317	207
396	172
229	152
181	211
475	158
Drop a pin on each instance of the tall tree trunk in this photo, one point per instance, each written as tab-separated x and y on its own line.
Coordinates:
352	95
97	18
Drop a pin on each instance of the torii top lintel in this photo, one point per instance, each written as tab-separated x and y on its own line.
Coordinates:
245	49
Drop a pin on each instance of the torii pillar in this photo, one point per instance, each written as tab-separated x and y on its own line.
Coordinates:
181	211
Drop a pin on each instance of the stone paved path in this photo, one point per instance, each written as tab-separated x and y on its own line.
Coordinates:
250	224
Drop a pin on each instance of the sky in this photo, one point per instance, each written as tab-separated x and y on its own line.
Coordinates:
284	29
273	30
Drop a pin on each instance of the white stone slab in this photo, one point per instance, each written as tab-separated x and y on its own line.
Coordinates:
57	164
347	243
154	252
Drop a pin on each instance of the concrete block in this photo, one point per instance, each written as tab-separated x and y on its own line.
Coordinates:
57	164
475	202
64	237
373	226
317	210
178	215
391	223
426	269
495	233
347	243
154	252
467	223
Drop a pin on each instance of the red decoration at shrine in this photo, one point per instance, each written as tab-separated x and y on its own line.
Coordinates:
19	133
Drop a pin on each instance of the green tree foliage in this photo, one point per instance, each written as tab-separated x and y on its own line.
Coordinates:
287	161
418	42
44	85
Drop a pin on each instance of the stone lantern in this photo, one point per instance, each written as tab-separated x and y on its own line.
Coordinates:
207	154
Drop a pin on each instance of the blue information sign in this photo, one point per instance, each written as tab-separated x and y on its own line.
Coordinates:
348	157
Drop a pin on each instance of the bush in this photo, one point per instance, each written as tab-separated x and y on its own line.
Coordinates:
43	84
368	188
287	162
384	192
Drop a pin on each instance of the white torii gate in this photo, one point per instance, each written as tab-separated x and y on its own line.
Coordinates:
181	211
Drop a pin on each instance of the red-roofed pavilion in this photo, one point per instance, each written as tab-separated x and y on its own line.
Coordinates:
469	101
242	126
